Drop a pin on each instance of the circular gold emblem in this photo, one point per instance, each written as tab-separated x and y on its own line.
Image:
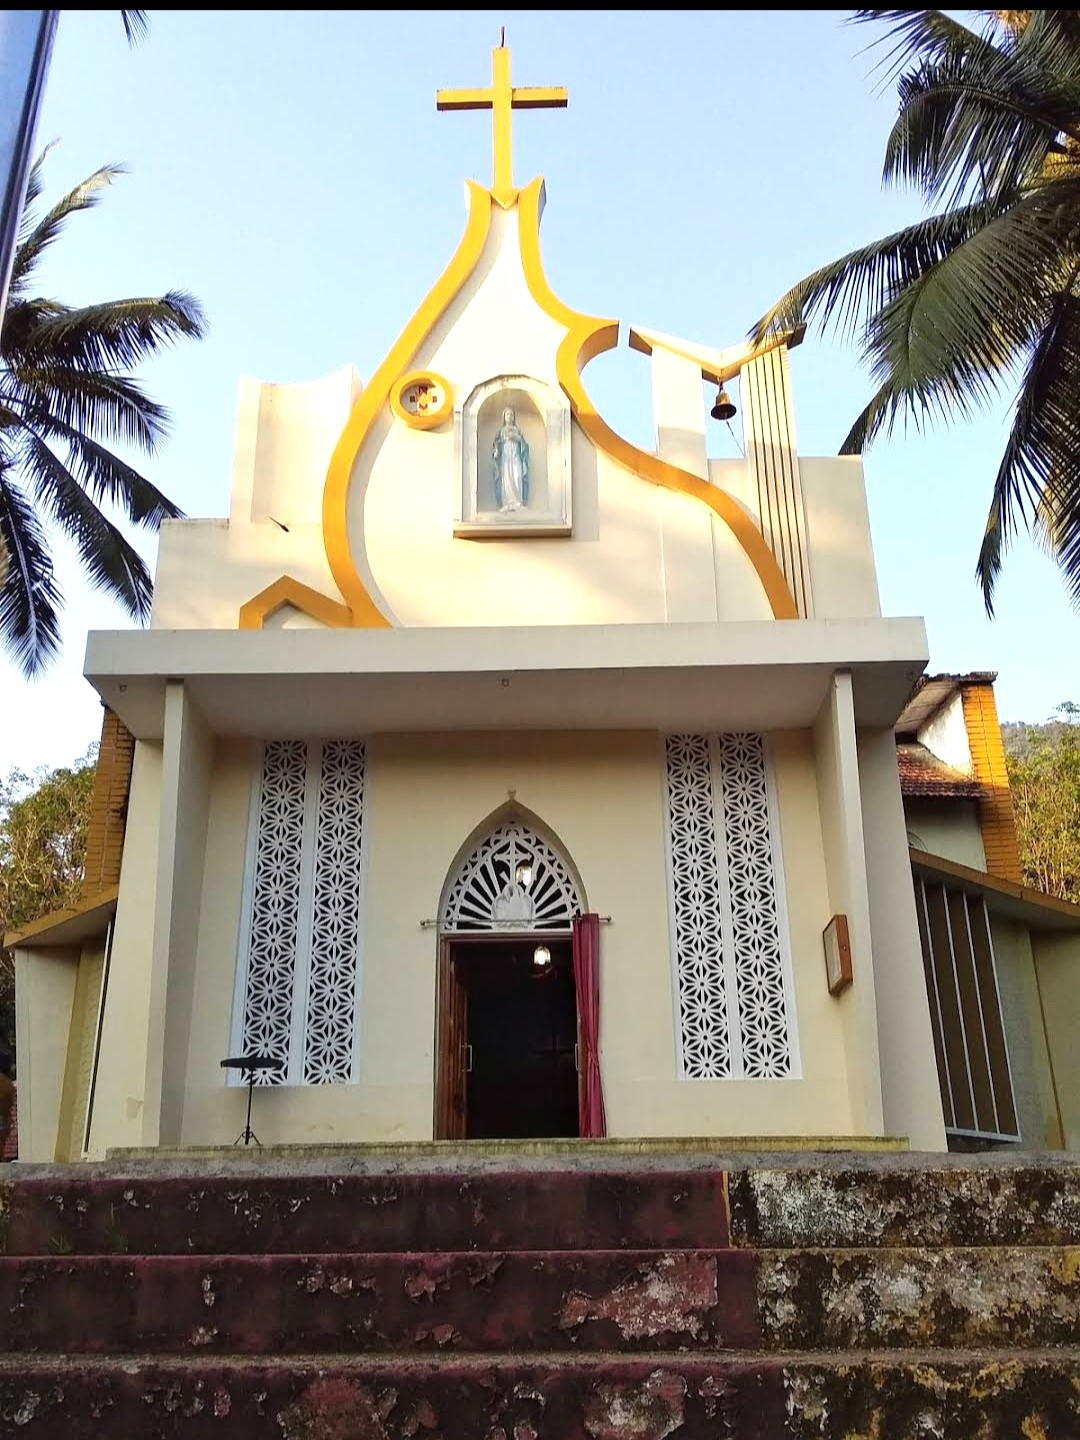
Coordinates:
422	399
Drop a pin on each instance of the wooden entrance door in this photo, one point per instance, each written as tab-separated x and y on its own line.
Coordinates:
506	1034
450	1041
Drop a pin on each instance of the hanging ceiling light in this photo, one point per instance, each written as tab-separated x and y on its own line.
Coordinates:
541	957
524	873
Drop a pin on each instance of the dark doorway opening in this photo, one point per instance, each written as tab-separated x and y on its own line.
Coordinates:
508	1040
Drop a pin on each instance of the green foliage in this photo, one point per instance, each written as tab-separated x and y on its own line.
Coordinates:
1044	774
982	298
43	822
67	397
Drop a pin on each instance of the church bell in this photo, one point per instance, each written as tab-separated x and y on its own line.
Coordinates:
723	409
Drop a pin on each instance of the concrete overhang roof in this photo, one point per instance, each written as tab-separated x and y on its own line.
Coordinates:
931	693
87	917
762	675
1004	897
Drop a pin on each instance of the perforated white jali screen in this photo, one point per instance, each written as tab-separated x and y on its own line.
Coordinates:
732	974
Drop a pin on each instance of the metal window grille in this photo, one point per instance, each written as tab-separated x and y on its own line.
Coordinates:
965	1013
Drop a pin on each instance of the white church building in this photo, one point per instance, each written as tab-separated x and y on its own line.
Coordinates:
494	776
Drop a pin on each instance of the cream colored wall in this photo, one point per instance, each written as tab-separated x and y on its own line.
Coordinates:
945	734
637	553
209	1108
187	767
949	828
839	799
207	569
1025	1034
910	1095
843	575
601	794
44	999
1057	967
119	1093
79	1068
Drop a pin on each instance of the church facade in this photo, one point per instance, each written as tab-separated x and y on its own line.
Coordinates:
492	777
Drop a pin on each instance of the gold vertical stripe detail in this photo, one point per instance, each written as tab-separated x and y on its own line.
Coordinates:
996	818
798	512
772	455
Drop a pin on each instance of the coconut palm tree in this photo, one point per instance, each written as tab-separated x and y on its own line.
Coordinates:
982	298
67	397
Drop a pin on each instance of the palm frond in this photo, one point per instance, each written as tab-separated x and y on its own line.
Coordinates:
917	36
1050	39
35	185
111	407
950	338
113	335
30	598
106	477
136	25
960	135
1041	461
109	561
66	397
848	292
83	197
879	413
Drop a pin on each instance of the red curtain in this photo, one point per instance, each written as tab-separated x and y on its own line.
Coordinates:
586	933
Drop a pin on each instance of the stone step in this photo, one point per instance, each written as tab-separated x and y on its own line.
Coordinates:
78	1211
901	1395
886	1202
362	1303
453	1303
946	1297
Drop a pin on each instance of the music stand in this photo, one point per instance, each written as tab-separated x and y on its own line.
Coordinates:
252	1064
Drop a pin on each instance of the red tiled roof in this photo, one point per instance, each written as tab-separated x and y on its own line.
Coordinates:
923	774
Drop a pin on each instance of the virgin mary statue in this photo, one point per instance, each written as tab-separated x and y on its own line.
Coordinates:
510	464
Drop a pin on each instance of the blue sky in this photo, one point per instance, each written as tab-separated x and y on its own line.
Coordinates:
291	170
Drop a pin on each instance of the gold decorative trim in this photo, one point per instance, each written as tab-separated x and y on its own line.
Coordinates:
589	337
734	360
429	419
502	98
287	591
364	611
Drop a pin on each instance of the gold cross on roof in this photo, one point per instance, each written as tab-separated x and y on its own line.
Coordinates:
501	99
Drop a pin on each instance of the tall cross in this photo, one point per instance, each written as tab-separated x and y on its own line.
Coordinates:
501	99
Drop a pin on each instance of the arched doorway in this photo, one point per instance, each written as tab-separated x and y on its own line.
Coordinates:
507	1019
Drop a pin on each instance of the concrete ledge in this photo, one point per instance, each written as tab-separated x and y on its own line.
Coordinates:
511	1151
752	675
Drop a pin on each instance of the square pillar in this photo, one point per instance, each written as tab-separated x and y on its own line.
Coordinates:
187	768
840	804
910	1091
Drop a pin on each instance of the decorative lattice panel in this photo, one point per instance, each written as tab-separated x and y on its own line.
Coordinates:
695	882
335	922
731	974
755	921
486	893
275	905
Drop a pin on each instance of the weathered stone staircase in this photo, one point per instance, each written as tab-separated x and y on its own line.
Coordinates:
875	1298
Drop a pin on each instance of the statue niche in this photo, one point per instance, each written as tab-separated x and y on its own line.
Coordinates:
513	436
